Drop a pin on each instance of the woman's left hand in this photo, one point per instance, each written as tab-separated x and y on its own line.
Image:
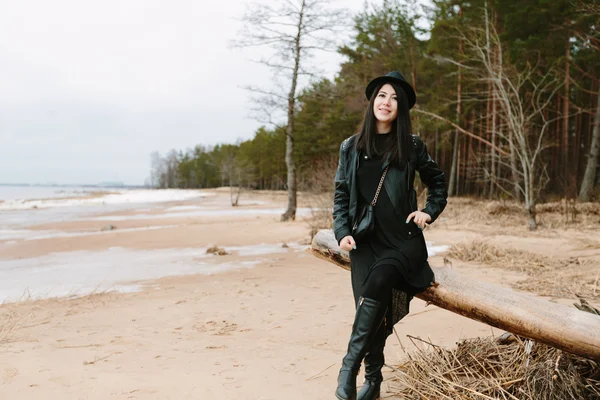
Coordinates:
421	218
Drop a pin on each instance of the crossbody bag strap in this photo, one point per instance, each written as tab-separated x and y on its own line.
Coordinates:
379	187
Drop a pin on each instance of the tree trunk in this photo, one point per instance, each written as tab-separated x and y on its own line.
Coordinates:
480	151
531	215
495	64
568	171
467	156
513	168
487	189
235	199
458	156
437	145
452	185
589	177
554	160
556	325
452	182
575	148
290	213
493	149
413	73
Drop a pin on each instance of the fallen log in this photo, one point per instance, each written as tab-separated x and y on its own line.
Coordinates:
556	325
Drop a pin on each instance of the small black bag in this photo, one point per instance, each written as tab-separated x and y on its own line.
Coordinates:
365	221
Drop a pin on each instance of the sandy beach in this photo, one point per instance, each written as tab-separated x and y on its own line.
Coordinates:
127	304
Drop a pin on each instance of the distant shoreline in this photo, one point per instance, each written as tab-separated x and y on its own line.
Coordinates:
115	185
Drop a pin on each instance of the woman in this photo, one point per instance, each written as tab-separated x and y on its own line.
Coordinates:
389	264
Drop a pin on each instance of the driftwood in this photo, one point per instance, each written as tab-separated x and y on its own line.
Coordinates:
556	325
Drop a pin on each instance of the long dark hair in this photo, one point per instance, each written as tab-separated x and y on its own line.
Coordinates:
399	150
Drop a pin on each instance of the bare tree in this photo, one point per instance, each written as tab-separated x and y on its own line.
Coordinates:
293	30
592	39
156	169
172	163
453	184
522	96
319	190
163	170
232	170
589	177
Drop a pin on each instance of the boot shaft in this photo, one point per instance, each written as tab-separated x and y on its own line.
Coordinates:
375	358
366	324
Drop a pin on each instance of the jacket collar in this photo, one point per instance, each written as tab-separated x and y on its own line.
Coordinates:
385	162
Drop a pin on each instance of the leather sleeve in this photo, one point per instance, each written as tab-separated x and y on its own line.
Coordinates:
341	197
433	177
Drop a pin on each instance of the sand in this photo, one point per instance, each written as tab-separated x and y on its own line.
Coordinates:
276	328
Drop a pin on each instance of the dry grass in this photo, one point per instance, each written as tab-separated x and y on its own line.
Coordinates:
489	368
10	322
28	312
468	212
482	252
320	212
560	214
558	277
318	193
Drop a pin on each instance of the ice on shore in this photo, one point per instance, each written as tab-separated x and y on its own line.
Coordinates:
434	250
79	273
260	249
25	234
12	234
136	196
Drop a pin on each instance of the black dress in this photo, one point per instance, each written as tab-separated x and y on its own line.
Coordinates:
390	244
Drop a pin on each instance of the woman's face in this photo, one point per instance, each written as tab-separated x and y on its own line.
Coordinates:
385	106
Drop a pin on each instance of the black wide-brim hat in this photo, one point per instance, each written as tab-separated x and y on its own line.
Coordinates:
397	78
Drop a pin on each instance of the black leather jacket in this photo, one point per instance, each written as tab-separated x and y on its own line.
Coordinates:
345	201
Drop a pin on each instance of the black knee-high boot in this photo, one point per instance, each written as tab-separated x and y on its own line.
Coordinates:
366	322
374	360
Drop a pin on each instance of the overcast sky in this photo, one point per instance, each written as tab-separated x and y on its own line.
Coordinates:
88	89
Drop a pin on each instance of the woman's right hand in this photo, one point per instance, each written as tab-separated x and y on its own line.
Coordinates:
347	243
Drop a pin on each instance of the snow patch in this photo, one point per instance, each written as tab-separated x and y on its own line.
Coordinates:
80	273
435	250
122	197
